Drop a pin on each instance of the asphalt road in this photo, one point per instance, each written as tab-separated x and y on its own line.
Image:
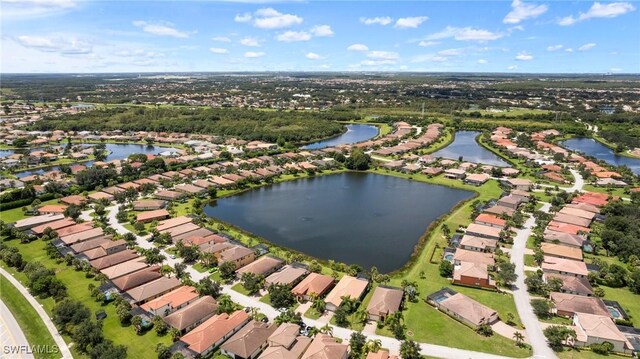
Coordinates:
11	336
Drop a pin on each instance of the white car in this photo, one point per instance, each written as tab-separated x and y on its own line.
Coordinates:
172	256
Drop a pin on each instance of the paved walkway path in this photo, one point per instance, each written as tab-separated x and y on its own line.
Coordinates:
12	338
521	296
64	349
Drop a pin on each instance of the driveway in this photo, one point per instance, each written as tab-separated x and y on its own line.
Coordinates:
521	296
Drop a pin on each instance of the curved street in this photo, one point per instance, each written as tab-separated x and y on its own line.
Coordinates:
12	337
62	345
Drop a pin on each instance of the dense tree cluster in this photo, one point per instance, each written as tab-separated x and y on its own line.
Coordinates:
247	124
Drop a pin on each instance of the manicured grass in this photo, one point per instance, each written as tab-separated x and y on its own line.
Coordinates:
16	214
266	299
77	283
613	191
630	302
529	261
28	319
199	267
240	289
531	243
311	313
558	320
568	353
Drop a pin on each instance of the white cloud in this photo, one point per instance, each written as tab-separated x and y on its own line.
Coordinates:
517	27
62	45
322	31
512	67
270	18
219	50
160	29
615	69
252	54
568	49
410	22
137	53
521	11
313	56
451	52
482	61
19	9
428	58
358	47
383	55
465	34
385	20
250	41
554	47
246	17
428	43
598	10
524	56
221	39
293	36
587	47
377	62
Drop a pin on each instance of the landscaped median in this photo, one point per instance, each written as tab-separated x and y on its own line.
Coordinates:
29	321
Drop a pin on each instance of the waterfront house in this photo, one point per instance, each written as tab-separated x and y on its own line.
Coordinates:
483	231
384	301
473	274
289	274
463	308
566	305
150	216
313	285
348	286
263	266
597	329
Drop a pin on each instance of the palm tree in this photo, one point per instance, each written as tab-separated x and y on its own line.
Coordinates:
361	316
519	338
175	334
373	345
166	270
327	329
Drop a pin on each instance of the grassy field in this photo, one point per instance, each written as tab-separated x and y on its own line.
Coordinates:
630	302
28	319
12	215
511	112
585	354
77	284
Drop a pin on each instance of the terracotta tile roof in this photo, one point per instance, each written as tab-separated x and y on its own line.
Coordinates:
287	275
137	278
249	339
571	303
314	283
173	222
261	266
558	250
113	259
325	347
153	288
468	308
52	208
492	219
201	309
564	265
124	268
55	225
151	215
175	298
381	354
215	328
385	301
348	286
571	283
82	236
463	255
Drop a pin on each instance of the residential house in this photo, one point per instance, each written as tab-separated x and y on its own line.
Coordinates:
153	289
148	205
124	268
561	251
597	329
463	308
113	259
384	301
478	244
571	284
190	316
150	216
348	286
289	274
263	266
324	346
137	278
477	179
172	301
490	220
286	343
564	266
249	341
239	255
473	274
483	231
463	255
567	305
313	285
214	331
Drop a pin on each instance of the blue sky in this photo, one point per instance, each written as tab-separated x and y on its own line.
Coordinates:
244	35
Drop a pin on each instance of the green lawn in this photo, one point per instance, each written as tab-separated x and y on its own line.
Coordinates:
311	313
240	289
16	214
568	353
630	302
77	283
529	260
28	319
558	321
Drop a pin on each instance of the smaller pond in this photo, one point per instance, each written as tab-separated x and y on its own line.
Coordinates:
593	148
354	134
465	146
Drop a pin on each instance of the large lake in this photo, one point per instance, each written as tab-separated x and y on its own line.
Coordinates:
354	134
465	146
361	218
593	148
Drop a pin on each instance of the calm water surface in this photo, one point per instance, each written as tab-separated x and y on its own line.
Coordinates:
354	134
465	146
361	218
593	148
